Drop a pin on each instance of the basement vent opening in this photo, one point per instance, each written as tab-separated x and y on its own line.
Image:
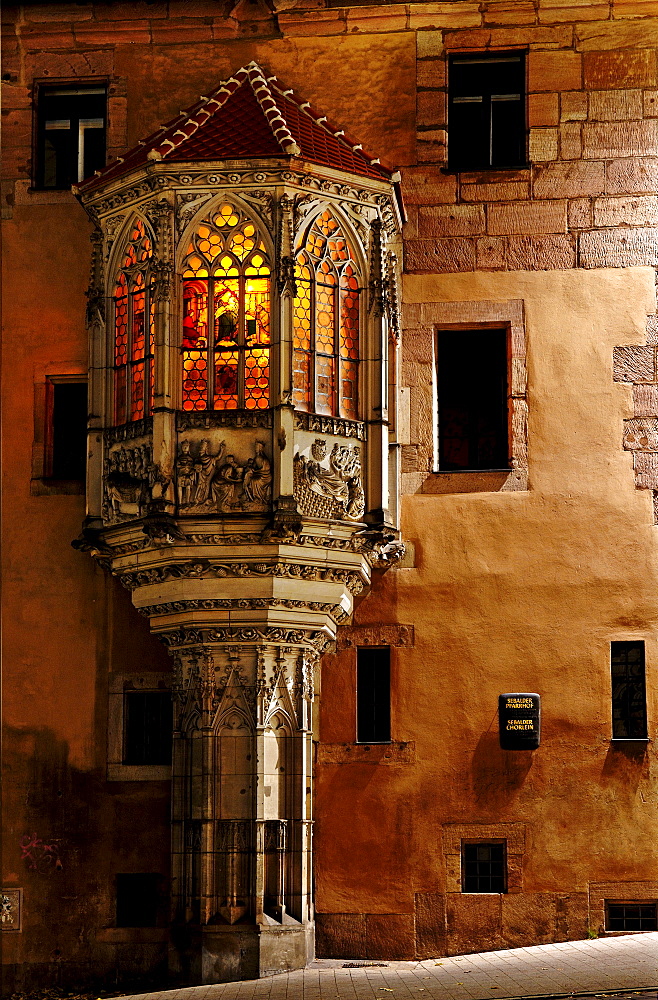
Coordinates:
365	965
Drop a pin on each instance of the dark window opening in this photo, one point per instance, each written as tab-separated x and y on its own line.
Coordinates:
636	916
71	124
148	727
67	432
472	399
484	868
373	695
139	900
629	704
486	111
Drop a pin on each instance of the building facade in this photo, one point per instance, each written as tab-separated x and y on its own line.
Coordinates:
331	482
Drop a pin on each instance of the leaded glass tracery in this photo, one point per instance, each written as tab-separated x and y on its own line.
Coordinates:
226	315
134	329
326	322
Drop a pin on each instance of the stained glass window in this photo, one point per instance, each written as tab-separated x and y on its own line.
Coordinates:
326	323
134	330
226	315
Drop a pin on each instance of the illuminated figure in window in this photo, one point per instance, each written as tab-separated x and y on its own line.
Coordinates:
326	324
226	315
134	330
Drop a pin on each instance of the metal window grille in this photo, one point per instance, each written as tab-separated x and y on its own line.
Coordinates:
629	705
633	916
484	868
486	111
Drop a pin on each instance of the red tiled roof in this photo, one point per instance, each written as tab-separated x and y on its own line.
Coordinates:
246	116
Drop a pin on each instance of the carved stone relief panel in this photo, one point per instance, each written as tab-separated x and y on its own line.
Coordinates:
328	480
131	481
223	474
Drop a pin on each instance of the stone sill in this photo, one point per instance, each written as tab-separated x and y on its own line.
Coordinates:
366	753
475	481
138	772
56	487
132	935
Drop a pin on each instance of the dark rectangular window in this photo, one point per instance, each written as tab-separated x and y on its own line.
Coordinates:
67	433
635	916
148	727
472	399
139	899
484	868
629	704
71	123
486	111
373	695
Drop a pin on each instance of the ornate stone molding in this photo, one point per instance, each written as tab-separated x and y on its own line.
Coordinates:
127	432
351	636
96	290
318	424
207	419
260	603
204	569
246	635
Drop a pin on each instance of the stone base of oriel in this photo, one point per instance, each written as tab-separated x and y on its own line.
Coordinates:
246	619
218	953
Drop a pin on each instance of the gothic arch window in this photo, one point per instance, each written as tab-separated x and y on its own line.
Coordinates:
326	322
134	332
226	315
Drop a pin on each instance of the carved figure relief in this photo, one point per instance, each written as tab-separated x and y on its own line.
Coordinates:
330	487
210	482
131	480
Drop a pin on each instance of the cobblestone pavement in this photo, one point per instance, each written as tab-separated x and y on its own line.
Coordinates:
625	965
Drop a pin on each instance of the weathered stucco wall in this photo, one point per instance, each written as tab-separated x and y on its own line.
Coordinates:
510	591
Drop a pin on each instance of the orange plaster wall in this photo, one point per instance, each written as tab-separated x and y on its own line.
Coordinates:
512	592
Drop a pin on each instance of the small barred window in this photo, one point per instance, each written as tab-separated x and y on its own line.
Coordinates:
226	315
134	330
326	323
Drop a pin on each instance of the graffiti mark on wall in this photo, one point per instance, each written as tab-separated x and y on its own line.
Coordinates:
39	855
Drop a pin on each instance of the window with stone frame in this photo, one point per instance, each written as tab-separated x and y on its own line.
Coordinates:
472	399
71	127
484	867
225	345
629	699
486	110
326	322
134	328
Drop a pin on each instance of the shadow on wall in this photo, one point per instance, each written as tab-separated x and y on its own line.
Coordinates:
65	839
498	775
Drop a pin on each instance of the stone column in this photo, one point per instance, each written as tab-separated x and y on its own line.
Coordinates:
241	810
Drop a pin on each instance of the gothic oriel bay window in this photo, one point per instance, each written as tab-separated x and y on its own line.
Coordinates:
226	315
134	330
326	324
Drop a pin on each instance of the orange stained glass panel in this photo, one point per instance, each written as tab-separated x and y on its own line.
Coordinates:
257	379
121	323
226	380
138	298
137	391
325	310
226	305
324	384
195	314
195	380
